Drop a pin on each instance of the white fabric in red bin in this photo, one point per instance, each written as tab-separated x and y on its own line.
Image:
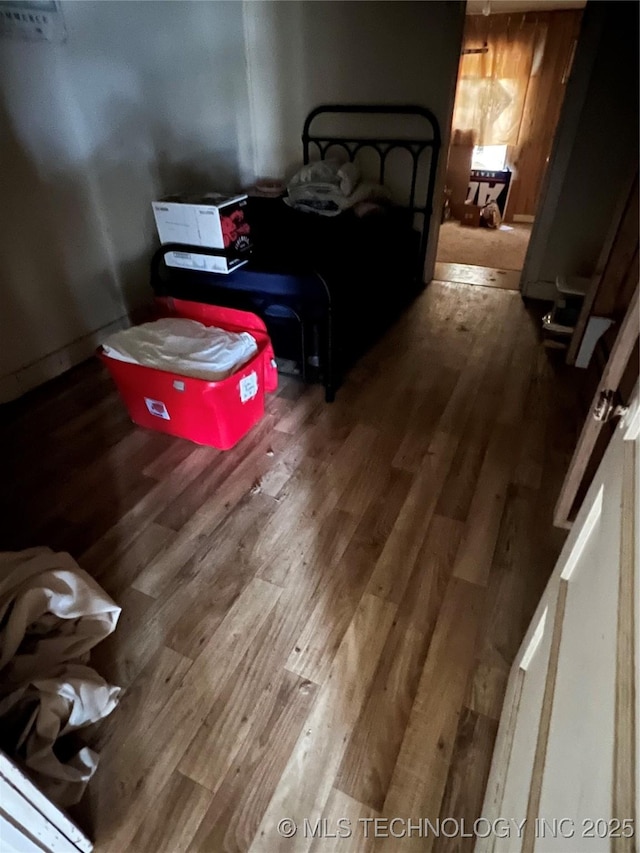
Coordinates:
214	413
228	318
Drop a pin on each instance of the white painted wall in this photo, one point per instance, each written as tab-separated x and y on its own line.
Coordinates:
146	98
143	98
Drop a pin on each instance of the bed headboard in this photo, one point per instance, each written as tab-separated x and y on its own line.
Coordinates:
425	142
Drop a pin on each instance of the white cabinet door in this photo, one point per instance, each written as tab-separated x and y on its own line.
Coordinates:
565	767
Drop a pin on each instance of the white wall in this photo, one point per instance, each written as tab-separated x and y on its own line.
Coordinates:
143	98
146	98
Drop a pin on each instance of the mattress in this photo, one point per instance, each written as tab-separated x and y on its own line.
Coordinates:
291	241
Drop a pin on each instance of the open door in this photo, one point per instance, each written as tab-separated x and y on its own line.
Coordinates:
565	766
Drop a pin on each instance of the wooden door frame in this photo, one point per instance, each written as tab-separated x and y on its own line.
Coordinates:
609	381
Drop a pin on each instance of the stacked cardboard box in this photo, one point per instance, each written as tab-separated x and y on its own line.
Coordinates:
214	221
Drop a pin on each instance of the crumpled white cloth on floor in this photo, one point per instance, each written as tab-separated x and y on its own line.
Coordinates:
52	707
184	347
51	611
51	614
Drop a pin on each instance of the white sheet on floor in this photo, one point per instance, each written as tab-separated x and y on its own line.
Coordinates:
184	347
51	614
44	710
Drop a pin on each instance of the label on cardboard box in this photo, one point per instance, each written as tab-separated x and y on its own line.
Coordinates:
203	263
212	220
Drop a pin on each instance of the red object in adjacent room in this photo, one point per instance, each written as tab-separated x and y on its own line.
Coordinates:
217	414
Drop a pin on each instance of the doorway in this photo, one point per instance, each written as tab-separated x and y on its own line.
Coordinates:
514	67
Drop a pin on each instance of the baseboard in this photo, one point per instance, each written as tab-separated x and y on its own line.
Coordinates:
523	217
16	384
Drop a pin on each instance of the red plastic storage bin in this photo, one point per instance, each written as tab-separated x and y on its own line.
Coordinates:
217	414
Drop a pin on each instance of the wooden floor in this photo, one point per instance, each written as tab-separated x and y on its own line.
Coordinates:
319	623
481	276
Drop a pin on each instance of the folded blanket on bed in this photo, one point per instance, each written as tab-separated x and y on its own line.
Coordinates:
328	187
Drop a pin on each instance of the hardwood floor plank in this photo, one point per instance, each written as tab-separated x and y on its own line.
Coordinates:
246	697
195	600
305	659
467	779
145	697
532	443
233	818
342	813
173	456
521	363
419	778
196	541
479	364
128	526
175	817
375	742
457	494
142	701
123	569
370	480
518	557
109	476
289	457
429	401
338	597
141	773
401	549
116	657
215	576
240	469
117	469
283	545
305	785
310	401
475	555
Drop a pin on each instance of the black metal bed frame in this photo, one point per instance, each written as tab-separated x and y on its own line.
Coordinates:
383	147
245	303
415	146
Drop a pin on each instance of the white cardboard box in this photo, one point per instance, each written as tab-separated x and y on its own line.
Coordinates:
213	220
204	263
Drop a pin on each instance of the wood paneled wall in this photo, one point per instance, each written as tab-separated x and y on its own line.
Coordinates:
558	33
545	95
